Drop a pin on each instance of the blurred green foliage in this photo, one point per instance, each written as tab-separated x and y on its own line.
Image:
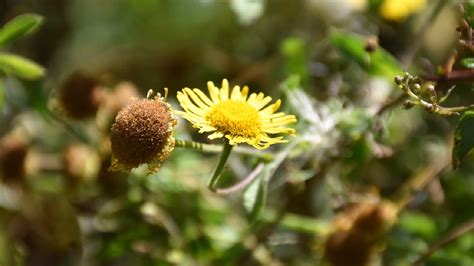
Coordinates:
331	62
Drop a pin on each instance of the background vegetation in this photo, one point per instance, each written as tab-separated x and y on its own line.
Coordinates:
364	181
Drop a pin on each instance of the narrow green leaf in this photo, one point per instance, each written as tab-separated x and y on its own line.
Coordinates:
377	63
255	197
463	138
21	67
18	27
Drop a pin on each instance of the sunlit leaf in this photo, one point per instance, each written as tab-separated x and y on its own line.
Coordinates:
18	27
468	62
419	224
377	63
463	138
20	67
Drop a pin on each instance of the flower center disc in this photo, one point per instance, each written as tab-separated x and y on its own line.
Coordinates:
236	117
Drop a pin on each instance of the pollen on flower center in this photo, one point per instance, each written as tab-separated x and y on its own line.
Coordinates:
235	117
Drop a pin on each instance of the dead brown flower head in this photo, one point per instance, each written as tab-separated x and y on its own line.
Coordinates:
142	134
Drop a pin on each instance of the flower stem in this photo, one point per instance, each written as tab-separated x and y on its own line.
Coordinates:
198	146
220	165
212	148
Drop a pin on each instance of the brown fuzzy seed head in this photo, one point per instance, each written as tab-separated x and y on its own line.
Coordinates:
142	133
80	96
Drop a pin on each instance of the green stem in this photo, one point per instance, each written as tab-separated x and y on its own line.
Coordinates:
220	165
211	148
198	146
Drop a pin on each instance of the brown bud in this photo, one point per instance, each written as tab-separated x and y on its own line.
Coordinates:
80	96
142	134
371	44
398	80
13	154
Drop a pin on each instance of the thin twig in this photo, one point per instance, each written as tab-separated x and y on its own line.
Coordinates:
243	183
390	104
454	75
453	235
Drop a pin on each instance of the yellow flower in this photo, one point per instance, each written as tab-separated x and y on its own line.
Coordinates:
398	10
239	117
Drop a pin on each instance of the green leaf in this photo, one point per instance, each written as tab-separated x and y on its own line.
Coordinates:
255	197
1	94
255	194
468	62
378	63
463	138
18	27
37	97
20	67
418	223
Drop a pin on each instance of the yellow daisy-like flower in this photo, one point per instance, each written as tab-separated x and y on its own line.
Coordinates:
239	117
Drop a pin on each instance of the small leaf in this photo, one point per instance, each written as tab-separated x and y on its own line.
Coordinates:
378	63
463	138
468	62
20	67
255	197
18	27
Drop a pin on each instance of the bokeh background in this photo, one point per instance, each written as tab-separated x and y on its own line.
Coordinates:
344	187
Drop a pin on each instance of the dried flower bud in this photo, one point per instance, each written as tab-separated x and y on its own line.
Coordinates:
80	96
142	134
371	44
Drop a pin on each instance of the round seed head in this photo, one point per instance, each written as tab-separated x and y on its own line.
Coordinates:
142	134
